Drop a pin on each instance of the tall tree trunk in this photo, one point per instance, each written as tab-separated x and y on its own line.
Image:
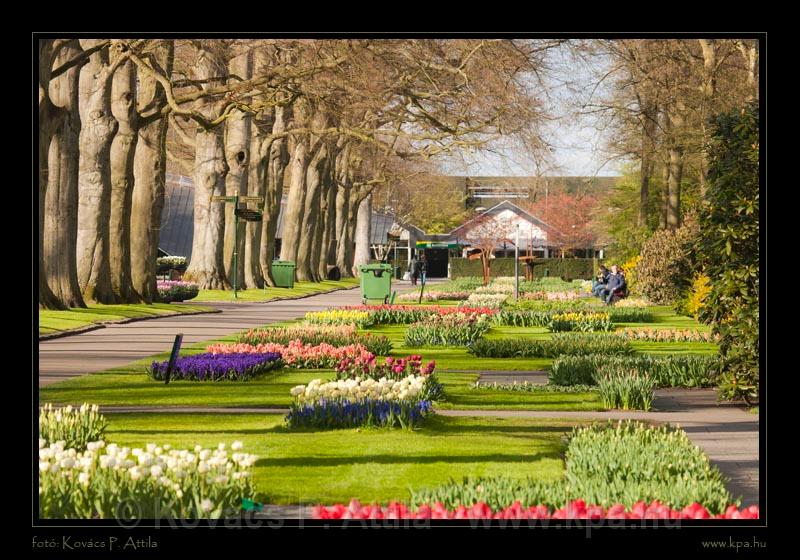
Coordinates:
123	151
50	118
648	144
676	119
349	249
293	214
273	193
98	127
326	254
674	196
149	172
709	90
343	211
260	138
61	201
237	155
207	267
306	271
662	215
363	227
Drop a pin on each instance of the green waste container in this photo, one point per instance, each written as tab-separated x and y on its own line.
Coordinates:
376	282
398	275
283	273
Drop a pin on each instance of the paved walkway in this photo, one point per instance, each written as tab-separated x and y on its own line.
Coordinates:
120	344
727	433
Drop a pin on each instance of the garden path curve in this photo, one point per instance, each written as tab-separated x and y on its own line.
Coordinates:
119	344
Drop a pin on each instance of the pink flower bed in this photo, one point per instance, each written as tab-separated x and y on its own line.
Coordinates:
299	355
574	510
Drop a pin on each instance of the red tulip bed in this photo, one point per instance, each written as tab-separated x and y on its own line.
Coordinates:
574	510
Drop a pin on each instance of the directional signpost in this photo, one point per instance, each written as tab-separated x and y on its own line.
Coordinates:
246	214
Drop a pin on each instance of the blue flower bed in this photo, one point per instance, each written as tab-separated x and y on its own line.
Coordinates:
354	414
217	367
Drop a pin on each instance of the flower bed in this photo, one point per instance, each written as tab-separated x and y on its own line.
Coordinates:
361	319
629	314
666	371
669	335
609	465
454	329
298	355
335	335
582	322
434	296
176	290
576	509
496	287
552	296
633	302
625	389
348	403
559	344
406	314
492	300
75	427
217	367
157	482
364	367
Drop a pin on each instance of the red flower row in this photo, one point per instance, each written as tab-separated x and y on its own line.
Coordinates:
574	510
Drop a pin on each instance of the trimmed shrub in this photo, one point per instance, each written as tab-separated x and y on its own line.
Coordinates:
559	344
664	272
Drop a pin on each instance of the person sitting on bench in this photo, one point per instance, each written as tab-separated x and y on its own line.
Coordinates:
600	281
615	286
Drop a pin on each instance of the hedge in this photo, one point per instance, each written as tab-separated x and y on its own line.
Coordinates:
568	269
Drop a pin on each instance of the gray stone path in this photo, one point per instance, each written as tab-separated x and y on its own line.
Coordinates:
120	344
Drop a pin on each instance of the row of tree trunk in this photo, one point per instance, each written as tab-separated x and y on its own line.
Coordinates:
104	119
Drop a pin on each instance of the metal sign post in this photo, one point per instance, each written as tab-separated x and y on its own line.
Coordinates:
247	215
173	357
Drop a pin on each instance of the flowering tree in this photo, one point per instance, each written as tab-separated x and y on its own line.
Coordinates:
485	233
570	217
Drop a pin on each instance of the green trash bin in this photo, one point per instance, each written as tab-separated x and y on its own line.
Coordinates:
376	282
398	275
283	273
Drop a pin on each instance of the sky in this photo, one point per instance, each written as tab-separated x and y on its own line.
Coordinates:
576	140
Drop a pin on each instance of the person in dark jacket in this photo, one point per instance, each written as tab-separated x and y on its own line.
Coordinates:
422	267
412	268
616	281
600	281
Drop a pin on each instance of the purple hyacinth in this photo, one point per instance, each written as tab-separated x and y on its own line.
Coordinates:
214	367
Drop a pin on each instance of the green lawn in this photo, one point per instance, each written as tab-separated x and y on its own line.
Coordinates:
370	464
129	386
300	289
76	317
